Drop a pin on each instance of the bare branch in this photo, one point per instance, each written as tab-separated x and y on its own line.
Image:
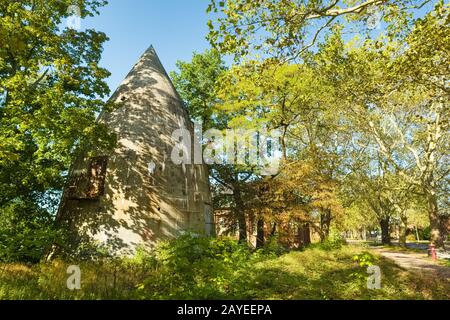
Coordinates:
38	81
340	12
313	42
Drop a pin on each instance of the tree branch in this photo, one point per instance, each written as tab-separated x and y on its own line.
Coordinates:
340	12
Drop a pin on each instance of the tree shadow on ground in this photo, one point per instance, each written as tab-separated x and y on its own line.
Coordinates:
345	282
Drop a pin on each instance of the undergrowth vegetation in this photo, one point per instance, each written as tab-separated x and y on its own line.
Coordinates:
204	268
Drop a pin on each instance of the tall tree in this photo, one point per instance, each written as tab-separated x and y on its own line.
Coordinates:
402	116
292	99
287	29
51	89
197	82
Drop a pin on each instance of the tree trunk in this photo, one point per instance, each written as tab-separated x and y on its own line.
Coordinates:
325	220
417	233
242	227
240	215
307	234
403	231
260	233
444	229
304	235
435	221
274	229
397	231
385	232
300	237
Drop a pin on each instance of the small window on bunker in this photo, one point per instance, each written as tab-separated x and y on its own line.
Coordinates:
97	175
88	183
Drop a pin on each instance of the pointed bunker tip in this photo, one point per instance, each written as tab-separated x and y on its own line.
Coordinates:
152	52
151	49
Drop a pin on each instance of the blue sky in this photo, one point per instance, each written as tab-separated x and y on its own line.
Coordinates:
176	28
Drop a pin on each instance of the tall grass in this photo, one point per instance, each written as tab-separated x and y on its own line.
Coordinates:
202	268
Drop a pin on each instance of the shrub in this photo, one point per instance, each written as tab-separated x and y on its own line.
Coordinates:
87	250
273	247
198	267
333	241
425	234
25	232
365	259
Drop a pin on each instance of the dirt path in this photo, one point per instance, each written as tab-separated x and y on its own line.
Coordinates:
415	262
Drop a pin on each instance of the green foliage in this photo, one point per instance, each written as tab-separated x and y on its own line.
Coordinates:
386	99
51	90
375	101
197	82
273	247
85	251
411	237
425	234
310	274
26	231
287	29
198	268
143	257
333	241
365	259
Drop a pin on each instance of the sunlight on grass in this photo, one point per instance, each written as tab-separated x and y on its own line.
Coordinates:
318	274
310	274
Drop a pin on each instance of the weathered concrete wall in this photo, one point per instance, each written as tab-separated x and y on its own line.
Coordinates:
141	203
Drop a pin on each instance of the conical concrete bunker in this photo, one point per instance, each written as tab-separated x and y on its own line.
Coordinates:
136	195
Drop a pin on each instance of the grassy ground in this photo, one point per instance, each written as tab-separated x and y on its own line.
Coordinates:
445	263
314	273
318	274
